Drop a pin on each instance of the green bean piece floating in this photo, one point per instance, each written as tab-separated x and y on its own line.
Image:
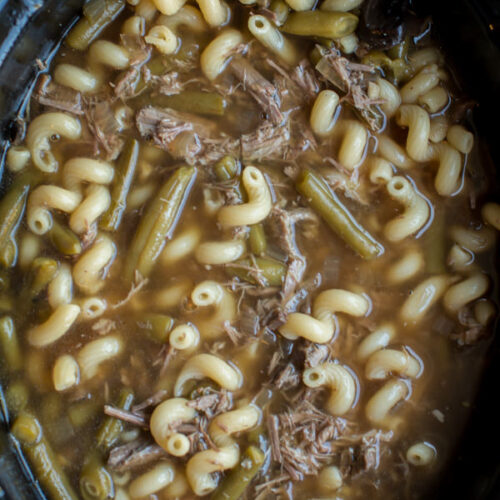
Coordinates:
124	175
321	23
157	326
9	342
325	202
43	271
64	240
111	427
266	271
226	168
257	239
8	254
17	397
28	431
159	222
95	19
238	480
96	482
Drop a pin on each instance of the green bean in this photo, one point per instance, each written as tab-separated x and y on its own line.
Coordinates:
398	69
325	202
124	175
111	427
8	254
56	424
157	326
280	10
321	23
158	223
226	168
64	240
257	239
238	480
81	412
17	397
28	431
400	51
87	30
10	344
268	272
434	242
43	271
95	481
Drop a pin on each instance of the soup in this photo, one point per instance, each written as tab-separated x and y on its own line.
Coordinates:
245	254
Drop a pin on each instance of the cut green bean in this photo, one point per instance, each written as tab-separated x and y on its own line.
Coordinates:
238	480
321	23
28	431
10	344
111	427
82	412
157	326
158	223
226	168
434	242
8	254
325	202
96	482
87	30
64	240
17	397
124	175
257	239
280	10
43	271
268	272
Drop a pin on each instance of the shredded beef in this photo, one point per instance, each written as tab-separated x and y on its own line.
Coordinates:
135	454
137	48
266	142
124	86
57	96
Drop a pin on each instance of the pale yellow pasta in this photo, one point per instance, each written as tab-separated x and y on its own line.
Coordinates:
163	39
381	171
221	300
215	12
375	341
200	467
181	246
475	240
353	145
321	326
152	481
88	272
120	494
407	267
416	211
178	488
449	173
218	52
60	289
42	129
55	327
385	362
208	366
92	355
484	311
183	337
390	95
95	203
134	25
29	249
424	296
139	195
219	252
259	203
45	198
434	100
66	372
421	454
348	44
466	291
17	158
390	150
167	414
124	117
79	170
459	258
92	307
379	406
438	129
340	382
330	478
272	38
491	214
460	138
340	5
420	84
418	123
188	17
147	9
169	7
301	4
324	112
166	298
108	54
76	78
425	57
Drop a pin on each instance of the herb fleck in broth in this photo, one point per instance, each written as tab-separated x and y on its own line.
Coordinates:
159	338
